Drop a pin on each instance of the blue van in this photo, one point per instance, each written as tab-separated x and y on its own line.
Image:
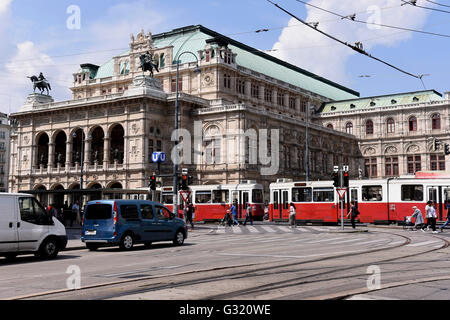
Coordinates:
127	222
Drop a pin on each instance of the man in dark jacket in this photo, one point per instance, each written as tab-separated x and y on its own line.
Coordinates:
354	213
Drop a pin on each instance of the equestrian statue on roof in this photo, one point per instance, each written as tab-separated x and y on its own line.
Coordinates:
147	63
40	83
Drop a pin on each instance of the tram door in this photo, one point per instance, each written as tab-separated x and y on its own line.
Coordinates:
242	199
281	204
435	195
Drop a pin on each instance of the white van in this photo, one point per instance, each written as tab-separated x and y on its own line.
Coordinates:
26	227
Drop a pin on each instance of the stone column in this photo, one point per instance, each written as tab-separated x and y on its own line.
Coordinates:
106	147
51	155
69	151
248	88
261	93
274	97
87	152
298	102
286	100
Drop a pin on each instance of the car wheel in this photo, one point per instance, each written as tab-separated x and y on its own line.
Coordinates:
127	242
49	249
92	246
179	238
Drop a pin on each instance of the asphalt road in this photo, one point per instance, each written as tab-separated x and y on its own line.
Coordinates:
246	263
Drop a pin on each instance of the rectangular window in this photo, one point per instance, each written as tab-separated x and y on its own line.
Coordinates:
257	196
167	197
323	195
391	166
412	193
437	162
275	200
372	193
255	91
158	145
414	164
280	99
202	197
370	166
151	148
221	196
240	86
147	211
174	85
301	194
129	212
99	212
292	103
268	95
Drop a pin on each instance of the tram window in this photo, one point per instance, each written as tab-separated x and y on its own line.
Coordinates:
354	195
167	198
285	200
372	193
257	196
301	194
412	193
275	200
323	195
447	194
221	196
432	194
202	197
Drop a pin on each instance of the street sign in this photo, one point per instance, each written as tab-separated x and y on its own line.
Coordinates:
341	192
159	157
185	195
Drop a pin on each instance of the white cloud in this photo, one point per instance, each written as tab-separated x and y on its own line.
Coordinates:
314	52
4	6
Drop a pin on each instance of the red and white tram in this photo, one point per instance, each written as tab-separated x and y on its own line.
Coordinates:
212	201
379	201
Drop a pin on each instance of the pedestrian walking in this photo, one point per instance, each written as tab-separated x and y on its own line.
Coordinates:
292	215
188	214
75	213
234	213
53	211
417	214
447	206
354	212
249	215
431	216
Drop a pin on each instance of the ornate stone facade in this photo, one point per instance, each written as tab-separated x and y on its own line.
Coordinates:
125	117
396	133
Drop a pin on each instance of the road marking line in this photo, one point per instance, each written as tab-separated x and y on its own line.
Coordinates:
422	243
317	229
253	229
268	229
236	229
271	240
323	240
281	256
367	242
284	229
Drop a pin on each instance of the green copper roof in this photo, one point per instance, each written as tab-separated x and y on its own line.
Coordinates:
193	38
382	101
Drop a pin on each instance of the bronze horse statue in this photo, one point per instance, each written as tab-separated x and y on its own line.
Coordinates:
147	63
42	85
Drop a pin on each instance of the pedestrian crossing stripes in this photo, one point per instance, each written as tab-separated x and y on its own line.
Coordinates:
274	229
422	243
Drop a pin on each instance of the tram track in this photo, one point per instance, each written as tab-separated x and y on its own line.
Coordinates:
228	273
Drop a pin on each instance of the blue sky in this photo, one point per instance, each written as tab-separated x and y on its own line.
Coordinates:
38	35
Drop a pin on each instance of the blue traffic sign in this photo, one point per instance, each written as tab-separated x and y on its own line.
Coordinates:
159	157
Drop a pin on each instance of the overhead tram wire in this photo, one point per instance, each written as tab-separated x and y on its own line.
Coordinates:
439	4
414	4
355	48
353	18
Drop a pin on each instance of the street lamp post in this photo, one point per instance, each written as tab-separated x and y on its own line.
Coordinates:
83	141
309	108
175	160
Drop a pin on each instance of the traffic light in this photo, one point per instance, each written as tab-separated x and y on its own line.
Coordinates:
336	179
447	149
190	180
184	183
437	144
346	179
153	183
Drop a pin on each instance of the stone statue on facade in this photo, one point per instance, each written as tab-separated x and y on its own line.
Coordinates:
40	83
116	155
147	63
60	158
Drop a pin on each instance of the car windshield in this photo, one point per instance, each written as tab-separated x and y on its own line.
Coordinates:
99	212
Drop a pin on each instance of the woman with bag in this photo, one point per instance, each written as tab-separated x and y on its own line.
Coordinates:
292	215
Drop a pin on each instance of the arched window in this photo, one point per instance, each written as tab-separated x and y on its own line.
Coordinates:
369	127
162	61
330	126
390	123
213	145
349	128
413	124
436	121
